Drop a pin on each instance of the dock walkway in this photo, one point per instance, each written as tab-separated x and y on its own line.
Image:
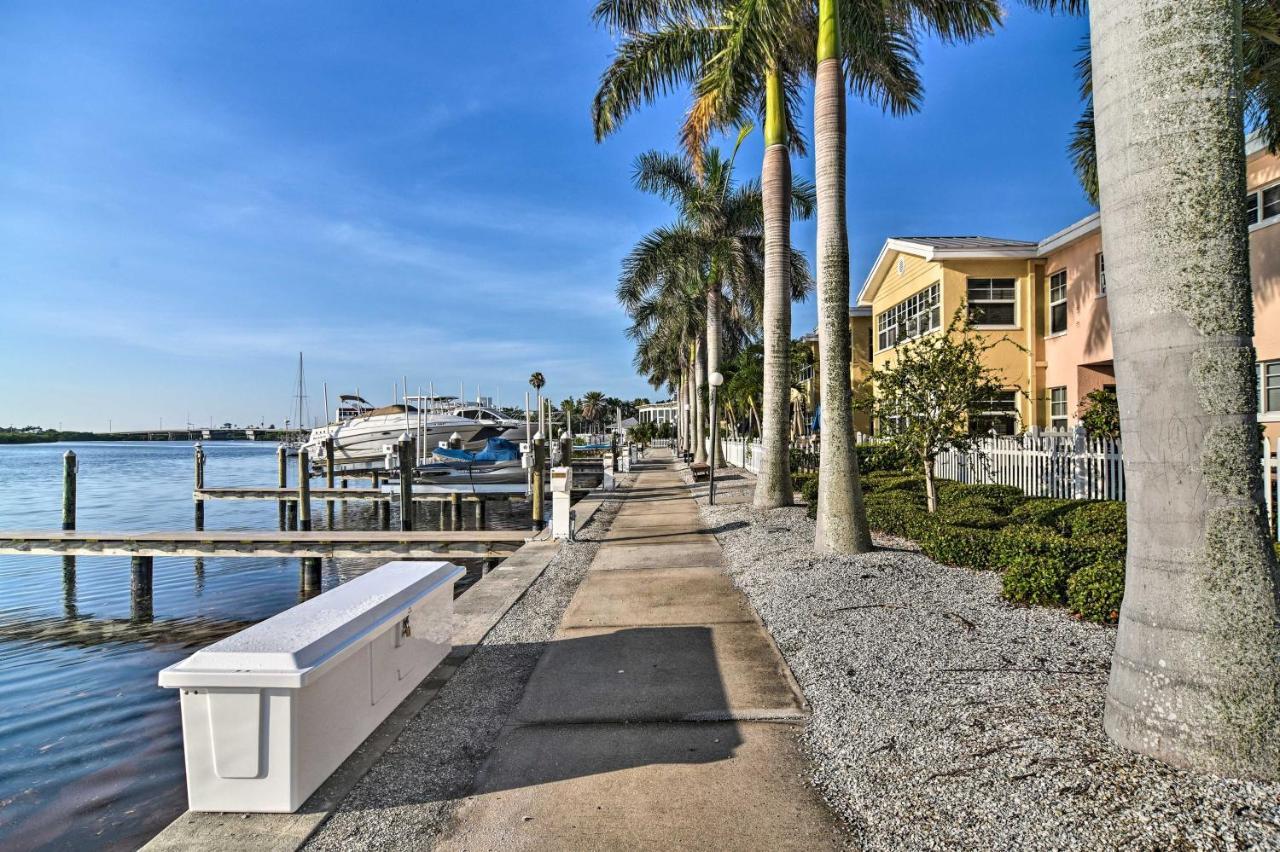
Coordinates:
661	716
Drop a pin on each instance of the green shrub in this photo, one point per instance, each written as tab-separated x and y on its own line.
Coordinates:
1096	517
809	490
1044	511
879	482
898	513
1038	580
1001	498
1022	542
800	480
1095	591
969	547
884	457
975	515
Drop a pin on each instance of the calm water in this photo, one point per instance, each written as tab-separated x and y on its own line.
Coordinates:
90	747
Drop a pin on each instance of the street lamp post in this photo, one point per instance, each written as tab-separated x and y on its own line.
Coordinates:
716	381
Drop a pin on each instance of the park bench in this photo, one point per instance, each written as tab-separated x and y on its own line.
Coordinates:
700	471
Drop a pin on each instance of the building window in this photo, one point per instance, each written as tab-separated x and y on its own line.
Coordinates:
992	301
1058	409
1263	204
1100	273
1058	302
912	317
998	414
1269	387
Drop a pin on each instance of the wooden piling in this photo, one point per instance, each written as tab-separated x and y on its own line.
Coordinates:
539	461
455	510
304	491
199	472
480	511
405	449
140	585
613	448
69	470
282	481
310	573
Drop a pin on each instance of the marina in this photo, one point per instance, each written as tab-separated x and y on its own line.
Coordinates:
133	583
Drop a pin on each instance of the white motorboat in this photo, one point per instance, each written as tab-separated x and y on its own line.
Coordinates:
360	431
512	429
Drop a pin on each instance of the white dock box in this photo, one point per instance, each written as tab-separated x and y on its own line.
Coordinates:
269	713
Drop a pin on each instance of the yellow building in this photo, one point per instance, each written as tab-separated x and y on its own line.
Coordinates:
807	395
918	283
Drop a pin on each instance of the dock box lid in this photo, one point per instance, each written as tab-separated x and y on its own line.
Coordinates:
286	648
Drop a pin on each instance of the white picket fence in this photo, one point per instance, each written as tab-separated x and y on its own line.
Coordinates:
1067	465
743	454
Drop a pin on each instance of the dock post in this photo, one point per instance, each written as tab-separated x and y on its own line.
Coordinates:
291	514
282	481
310	575
539	460
613	448
304	491
199	486
140	570
328	477
480	511
381	508
455	510
69	470
405	449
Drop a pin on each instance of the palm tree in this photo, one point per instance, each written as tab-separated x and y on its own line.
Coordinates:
594	408
852	38
1195	679
1260	40
720	234
569	406
739	55
537	381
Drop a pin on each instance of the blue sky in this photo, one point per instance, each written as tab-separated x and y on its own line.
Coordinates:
192	193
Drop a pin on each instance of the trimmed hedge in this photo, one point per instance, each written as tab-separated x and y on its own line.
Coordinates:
971	547
1044	511
1096	591
1102	517
1051	552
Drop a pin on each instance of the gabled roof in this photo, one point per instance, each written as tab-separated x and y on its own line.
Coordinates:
963	243
941	248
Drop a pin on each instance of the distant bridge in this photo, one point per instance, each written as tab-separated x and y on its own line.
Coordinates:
250	434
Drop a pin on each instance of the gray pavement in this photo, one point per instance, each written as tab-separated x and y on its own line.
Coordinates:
660	715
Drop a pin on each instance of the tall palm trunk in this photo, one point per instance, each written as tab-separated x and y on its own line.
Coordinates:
699	415
1195	679
842	519
773	483
713	350
680	410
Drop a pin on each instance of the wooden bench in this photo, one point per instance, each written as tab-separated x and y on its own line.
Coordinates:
700	471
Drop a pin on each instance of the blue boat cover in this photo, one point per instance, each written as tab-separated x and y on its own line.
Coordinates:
495	450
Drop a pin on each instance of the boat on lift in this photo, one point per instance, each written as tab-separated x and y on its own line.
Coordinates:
361	431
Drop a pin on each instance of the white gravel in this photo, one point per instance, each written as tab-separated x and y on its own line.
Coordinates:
407	797
944	718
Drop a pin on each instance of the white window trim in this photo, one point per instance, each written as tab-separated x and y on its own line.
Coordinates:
1017	304
875	324
1270	220
1063	301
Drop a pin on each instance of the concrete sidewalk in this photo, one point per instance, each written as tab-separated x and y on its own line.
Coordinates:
661	715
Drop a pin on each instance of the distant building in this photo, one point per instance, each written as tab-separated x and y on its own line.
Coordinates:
658	412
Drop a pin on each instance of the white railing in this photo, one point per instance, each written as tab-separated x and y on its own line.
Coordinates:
743	454
1066	465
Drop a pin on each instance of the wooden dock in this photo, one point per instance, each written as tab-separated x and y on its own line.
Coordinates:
317	544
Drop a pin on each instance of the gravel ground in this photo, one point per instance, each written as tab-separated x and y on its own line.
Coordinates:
408	796
943	717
